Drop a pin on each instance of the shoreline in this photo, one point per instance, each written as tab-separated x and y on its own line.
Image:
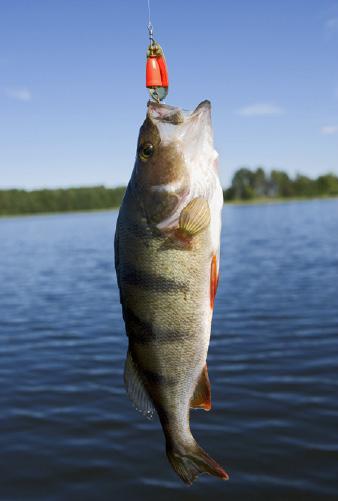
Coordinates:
267	200
253	201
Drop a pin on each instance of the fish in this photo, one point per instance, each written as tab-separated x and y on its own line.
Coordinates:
167	254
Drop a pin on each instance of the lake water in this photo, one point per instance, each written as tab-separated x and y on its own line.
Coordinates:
67	429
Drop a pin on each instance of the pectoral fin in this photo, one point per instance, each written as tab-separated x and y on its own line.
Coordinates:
195	217
202	395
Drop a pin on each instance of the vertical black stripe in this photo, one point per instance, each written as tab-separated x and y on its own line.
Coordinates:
151	281
143	332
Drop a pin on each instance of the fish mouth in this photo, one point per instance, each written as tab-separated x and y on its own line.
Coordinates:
191	132
172	114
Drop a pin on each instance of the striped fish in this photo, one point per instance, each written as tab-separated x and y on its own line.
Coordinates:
167	260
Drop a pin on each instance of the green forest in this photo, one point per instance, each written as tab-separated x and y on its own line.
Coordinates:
59	200
246	185
257	184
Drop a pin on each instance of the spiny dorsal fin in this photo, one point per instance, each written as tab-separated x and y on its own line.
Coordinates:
135	388
202	396
195	217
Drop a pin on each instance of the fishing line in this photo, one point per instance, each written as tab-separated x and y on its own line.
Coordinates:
149	20
150	26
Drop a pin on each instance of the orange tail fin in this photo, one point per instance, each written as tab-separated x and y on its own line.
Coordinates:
193	461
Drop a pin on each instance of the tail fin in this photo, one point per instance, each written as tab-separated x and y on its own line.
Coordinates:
192	461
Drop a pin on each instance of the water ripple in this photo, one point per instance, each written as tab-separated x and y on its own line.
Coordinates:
68	430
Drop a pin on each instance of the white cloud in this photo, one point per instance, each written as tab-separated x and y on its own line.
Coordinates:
260	109
329	130
19	93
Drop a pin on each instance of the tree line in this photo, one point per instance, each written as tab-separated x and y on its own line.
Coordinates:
59	200
246	185
249	184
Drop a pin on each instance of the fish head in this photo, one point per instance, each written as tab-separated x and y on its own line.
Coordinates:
175	155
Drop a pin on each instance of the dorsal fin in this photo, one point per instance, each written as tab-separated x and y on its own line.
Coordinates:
135	388
202	396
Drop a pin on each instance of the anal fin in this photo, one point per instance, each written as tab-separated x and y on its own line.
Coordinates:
135	388
202	396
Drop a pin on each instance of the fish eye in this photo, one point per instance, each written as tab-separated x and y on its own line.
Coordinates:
145	151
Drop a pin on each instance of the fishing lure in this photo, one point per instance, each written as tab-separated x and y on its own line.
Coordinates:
157	81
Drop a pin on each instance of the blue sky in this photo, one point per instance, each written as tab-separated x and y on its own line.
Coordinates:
72	94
